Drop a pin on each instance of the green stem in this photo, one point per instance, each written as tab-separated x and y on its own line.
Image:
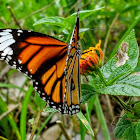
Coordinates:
127	107
44	124
101	76
35	125
129	100
88	118
101	118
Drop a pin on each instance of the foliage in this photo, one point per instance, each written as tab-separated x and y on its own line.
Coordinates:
118	18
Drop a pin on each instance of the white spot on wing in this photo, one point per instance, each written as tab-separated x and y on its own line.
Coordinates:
7	50
7	60
77	110
70	108
6	44
3	54
4	33
2	58
20	31
73	111
8	30
6	37
26	72
14	66
19	68
59	109
73	106
19	61
9	57
11	52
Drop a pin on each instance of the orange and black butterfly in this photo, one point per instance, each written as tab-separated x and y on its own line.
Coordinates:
52	65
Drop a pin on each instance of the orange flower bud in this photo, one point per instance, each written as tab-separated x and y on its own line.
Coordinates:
90	60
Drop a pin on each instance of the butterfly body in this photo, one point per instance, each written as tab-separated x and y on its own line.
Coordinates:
53	65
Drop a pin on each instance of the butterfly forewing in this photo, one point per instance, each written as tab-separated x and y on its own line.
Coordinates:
40	57
52	65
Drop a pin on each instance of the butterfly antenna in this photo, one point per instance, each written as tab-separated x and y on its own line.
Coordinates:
84	44
86	78
97	29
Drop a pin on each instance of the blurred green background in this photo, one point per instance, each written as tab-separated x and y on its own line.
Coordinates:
109	24
122	12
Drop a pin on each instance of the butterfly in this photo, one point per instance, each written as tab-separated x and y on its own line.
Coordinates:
53	65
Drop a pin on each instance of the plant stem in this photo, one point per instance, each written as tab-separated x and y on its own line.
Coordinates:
35	125
14	17
63	129
101	76
108	33
101	118
44	124
122	103
88	118
129	100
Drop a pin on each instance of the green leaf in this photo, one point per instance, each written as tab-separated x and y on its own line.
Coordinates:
82	32
31	120
120	89
110	70
130	132
50	110
87	92
11	86
118	72
58	21
96	82
109	67
133	80
138	130
39	102
85	122
121	126
133	51
82	15
7	121
23	115
137	109
128	86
